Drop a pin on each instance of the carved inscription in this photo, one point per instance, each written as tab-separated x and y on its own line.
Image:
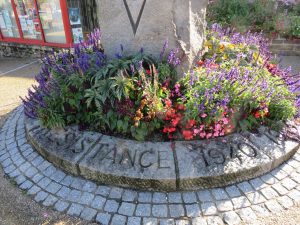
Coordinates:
134	24
219	155
131	158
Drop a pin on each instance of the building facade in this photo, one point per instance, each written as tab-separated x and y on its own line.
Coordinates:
46	23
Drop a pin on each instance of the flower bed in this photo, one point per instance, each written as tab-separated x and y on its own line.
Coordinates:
235	86
276	17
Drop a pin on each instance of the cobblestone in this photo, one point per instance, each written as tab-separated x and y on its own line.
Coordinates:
208	208
269	193
240	202
285	201
174	197
26	185
89	186
150	221
233	191
247	214
98	202
245	187
224	206
134	220
143	210
231	218
75	209
176	210
88	213
118	220
160	211
86	198
50	200
189	197
103	218
127	209
103	190
205	196
219	194
192	210
111	206
266	194
273	206
289	184
159	198
61	206
53	187
129	196
167	222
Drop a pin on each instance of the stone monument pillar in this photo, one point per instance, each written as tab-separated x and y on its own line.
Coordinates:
148	24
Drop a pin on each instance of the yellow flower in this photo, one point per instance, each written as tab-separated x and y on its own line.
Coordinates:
221	47
230	46
136	119
208	44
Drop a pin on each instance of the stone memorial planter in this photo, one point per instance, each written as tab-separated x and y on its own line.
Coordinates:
164	166
148	24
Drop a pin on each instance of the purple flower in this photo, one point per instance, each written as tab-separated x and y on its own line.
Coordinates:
163	50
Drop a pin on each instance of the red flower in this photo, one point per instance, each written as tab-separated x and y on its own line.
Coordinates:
187	134
180	107
175	121
148	72
169	129
190	124
200	63
168	103
257	114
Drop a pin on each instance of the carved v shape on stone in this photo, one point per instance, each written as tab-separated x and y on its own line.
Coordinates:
134	25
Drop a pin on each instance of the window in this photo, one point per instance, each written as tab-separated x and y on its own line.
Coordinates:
28	18
52	22
8	23
40	22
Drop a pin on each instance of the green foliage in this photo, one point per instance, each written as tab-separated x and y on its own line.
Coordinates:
282	109
294	29
257	15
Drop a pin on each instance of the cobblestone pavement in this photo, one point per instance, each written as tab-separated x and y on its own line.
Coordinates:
50	186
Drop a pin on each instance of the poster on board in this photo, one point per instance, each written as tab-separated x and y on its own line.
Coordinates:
6	18
77	35
2	22
74	16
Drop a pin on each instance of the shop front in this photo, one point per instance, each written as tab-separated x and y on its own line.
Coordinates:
54	23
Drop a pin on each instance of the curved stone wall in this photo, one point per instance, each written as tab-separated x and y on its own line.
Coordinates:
164	166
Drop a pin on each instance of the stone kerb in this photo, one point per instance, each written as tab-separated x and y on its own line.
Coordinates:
163	166
148	24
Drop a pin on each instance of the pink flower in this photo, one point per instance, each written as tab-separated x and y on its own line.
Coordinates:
204	115
209	135
196	131
202	134
225	121
218	127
